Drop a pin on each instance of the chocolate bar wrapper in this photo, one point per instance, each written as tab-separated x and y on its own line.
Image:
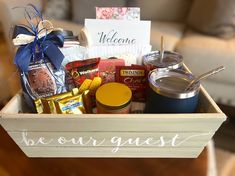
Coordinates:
71	105
39	106
49	105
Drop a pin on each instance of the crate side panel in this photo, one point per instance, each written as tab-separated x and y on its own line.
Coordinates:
14	106
206	103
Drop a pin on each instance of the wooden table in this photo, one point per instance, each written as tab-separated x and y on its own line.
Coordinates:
13	162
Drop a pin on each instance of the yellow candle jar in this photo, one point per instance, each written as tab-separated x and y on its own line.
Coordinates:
113	98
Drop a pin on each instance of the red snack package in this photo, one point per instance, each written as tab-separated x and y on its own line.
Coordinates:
135	77
107	68
79	71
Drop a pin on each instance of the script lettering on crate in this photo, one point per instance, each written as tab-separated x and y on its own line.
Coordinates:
116	142
161	142
112	37
34	142
80	141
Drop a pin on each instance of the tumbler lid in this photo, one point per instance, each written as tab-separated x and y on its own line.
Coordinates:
172	83
171	60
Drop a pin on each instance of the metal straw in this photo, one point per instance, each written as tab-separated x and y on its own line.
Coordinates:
203	76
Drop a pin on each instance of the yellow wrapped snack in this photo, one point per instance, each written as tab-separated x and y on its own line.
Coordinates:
71	105
39	106
49	105
85	86
95	84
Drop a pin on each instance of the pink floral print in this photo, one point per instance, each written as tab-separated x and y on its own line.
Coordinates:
119	13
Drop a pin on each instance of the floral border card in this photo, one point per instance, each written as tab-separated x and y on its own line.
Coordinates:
118	13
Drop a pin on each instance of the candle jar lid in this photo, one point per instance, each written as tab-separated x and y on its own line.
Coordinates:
113	95
171	60
172	83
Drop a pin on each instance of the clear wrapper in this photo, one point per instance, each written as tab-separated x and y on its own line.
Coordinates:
41	81
73	53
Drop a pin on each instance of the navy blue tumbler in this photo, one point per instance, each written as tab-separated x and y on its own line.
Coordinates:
167	92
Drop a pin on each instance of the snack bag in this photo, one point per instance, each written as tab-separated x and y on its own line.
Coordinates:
79	71
38	57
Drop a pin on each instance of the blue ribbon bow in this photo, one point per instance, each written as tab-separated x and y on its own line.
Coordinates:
39	48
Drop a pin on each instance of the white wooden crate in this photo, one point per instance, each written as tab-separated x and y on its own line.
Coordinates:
109	135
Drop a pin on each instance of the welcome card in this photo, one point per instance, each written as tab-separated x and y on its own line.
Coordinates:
118	32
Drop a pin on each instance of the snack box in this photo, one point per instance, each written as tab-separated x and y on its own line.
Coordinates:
112	135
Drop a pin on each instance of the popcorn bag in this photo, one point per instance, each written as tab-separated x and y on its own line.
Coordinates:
38	57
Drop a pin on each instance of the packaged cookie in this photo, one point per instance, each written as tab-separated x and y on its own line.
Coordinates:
79	71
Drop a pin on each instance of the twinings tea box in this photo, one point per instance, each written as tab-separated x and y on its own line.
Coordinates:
135	77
